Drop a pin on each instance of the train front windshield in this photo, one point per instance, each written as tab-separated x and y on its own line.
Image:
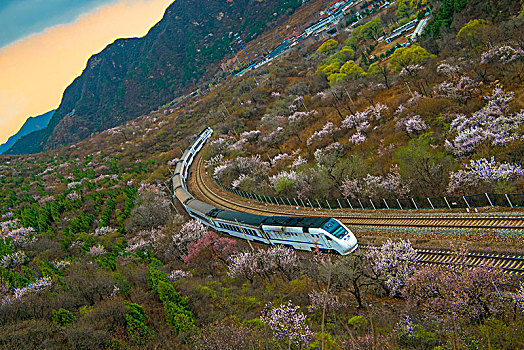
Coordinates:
333	227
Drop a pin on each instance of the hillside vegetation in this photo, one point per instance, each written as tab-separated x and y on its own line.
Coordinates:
93	256
131	77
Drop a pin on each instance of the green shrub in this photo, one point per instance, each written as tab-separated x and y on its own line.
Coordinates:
176	307
46	268
136	329
63	317
154	276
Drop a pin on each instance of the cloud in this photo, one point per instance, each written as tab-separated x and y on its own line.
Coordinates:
35	71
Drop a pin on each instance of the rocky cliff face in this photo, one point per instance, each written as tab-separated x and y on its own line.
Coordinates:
131	77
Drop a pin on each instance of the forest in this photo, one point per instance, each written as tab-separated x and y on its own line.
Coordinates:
94	253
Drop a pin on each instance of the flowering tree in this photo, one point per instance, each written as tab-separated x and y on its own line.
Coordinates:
357	138
328	156
97	250
264	263
411	70
502	54
210	249
376	186
459	89
152	209
493	124
143	239
281	157
360	121
297	120
179	274
459	291
518	296
100	231
15	236
413	125
504	58
328	130
243	264
245	137
394	262
191	231
246	167
283	182
38	286
483	175
317	300
13	260
287	322
275	138
447	69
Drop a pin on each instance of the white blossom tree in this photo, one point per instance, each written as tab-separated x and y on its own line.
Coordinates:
493	124
287	322
482	174
395	262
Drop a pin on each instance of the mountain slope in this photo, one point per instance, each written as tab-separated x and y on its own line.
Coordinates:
31	124
131	77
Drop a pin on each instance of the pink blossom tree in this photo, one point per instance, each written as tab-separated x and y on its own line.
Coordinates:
251	167
275	138
412	125
457	291
209	250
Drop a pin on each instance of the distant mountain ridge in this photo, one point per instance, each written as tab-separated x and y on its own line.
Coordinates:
32	124
131	77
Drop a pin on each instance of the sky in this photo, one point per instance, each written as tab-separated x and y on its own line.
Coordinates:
45	45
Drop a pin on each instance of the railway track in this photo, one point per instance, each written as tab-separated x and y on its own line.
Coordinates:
206	189
511	264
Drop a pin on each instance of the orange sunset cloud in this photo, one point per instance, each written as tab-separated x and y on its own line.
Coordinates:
35	71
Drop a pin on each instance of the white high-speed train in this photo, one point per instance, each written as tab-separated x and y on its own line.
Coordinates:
305	233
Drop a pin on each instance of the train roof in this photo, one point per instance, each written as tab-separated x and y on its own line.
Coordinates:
199	206
303	221
257	220
244	218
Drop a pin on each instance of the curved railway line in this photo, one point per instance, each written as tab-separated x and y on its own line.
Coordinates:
206	189
209	191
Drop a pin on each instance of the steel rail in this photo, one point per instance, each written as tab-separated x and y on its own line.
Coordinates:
416	221
509	264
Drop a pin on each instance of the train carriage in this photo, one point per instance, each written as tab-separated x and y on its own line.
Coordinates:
305	233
